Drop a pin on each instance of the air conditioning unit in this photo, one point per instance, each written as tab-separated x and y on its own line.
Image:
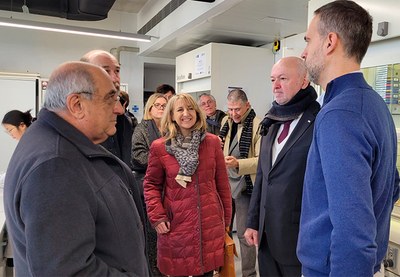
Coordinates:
85	10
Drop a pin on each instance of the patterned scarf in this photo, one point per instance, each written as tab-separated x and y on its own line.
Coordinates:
186	152
279	114
244	143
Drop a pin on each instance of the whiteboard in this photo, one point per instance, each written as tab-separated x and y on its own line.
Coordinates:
17	93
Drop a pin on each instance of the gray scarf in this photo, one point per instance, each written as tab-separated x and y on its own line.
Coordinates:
186	152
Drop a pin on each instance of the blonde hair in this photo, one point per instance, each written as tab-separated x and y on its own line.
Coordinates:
149	104
169	127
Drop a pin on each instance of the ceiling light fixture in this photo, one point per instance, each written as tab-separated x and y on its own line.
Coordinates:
34	25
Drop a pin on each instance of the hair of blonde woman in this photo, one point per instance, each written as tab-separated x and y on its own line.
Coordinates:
149	104
169	127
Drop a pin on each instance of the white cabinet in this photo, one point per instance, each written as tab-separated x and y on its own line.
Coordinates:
18	92
216	67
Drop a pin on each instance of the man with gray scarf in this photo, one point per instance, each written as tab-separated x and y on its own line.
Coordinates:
241	139
287	129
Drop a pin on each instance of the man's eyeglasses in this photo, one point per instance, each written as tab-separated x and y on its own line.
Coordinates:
159	106
109	98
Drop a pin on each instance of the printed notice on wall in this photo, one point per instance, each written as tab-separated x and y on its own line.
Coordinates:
200	64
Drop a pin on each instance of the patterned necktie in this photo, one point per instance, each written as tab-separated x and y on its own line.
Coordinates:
285	131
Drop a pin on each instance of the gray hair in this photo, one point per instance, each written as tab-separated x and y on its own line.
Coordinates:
65	80
206	94
236	95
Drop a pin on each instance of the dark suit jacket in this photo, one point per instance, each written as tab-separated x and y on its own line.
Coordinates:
120	144
214	126
276	199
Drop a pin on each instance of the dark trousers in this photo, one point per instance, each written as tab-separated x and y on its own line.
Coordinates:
151	234
269	267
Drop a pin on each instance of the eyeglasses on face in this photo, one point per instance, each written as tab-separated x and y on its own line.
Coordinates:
110	98
159	106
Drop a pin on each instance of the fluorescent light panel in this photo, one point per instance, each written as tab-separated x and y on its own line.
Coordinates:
25	24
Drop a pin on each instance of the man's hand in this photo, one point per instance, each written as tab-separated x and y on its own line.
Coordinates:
163	227
251	237
231	162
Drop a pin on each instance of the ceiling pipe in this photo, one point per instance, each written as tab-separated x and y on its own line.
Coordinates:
116	52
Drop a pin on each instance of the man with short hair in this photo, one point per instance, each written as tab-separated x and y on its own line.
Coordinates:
167	90
120	144
241	139
214	117
72	207
274	212
351	180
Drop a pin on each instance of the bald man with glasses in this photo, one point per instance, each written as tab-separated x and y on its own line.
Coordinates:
120	143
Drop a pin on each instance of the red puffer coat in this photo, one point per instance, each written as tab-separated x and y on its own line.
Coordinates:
198	213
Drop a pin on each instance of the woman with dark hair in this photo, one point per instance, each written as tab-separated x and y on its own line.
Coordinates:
145	133
16	122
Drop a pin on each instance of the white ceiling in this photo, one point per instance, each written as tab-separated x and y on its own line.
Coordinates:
250	22
131	6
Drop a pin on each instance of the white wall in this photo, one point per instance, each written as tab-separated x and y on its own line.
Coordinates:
223	66
382	52
40	52
380	10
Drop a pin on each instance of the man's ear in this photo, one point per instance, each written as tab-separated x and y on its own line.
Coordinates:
75	105
331	42
305	84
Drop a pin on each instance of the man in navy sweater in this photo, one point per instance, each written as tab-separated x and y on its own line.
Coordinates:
351	180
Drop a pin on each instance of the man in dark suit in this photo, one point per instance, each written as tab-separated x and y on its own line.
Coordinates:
274	212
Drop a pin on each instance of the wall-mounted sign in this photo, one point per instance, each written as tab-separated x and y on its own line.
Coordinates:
200	64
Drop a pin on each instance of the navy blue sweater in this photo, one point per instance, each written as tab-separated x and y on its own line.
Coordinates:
351	183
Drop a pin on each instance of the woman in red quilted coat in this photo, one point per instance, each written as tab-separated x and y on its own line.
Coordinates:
187	192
